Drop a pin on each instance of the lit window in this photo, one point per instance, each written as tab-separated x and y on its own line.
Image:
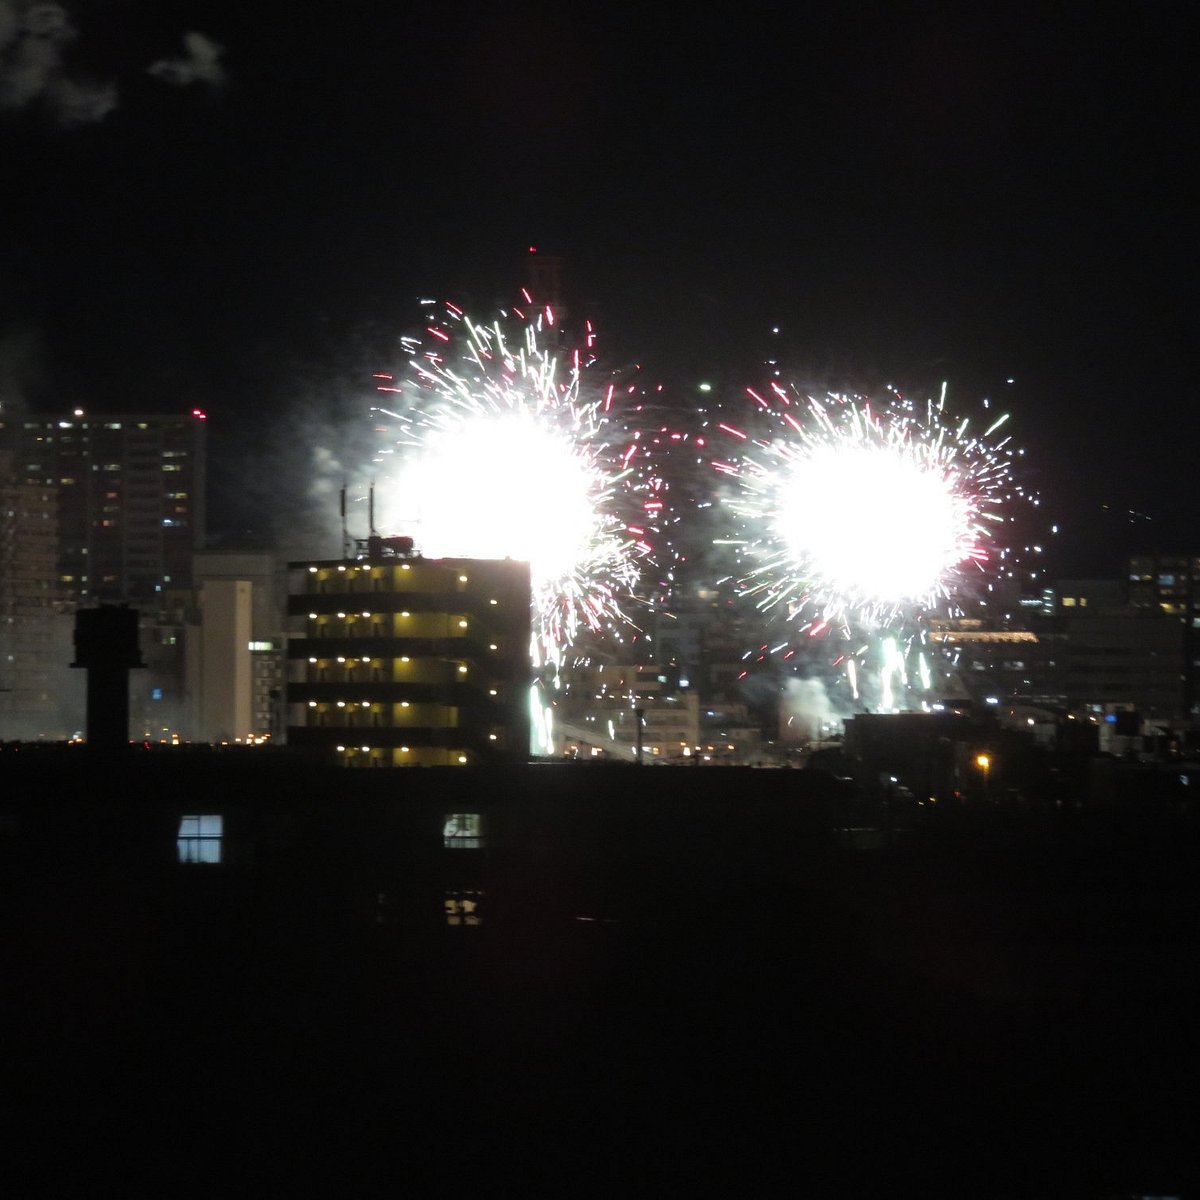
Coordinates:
462	831
199	838
462	908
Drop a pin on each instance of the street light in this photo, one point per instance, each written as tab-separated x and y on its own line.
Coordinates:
984	763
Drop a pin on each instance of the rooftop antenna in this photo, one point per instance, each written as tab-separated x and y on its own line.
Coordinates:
371	510
345	534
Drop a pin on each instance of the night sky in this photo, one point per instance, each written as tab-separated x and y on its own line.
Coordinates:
230	205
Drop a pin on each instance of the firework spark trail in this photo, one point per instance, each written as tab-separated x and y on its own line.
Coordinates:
859	515
500	453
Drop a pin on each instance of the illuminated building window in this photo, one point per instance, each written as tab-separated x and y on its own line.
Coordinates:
462	831
463	908
199	838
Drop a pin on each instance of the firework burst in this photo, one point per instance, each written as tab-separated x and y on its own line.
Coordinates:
498	452
856	515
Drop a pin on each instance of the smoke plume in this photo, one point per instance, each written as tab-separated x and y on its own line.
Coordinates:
201	64
806	713
33	41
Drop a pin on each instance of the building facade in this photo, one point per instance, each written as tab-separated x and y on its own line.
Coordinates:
1171	584
235	640
625	710
35	629
130	499
397	660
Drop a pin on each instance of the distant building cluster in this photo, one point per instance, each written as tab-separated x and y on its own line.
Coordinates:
382	657
112	510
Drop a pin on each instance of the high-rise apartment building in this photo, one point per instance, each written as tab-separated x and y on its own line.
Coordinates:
130	498
35	632
398	660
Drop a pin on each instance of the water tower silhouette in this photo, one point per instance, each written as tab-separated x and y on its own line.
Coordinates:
106	646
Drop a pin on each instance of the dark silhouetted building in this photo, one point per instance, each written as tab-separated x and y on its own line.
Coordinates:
1171	584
